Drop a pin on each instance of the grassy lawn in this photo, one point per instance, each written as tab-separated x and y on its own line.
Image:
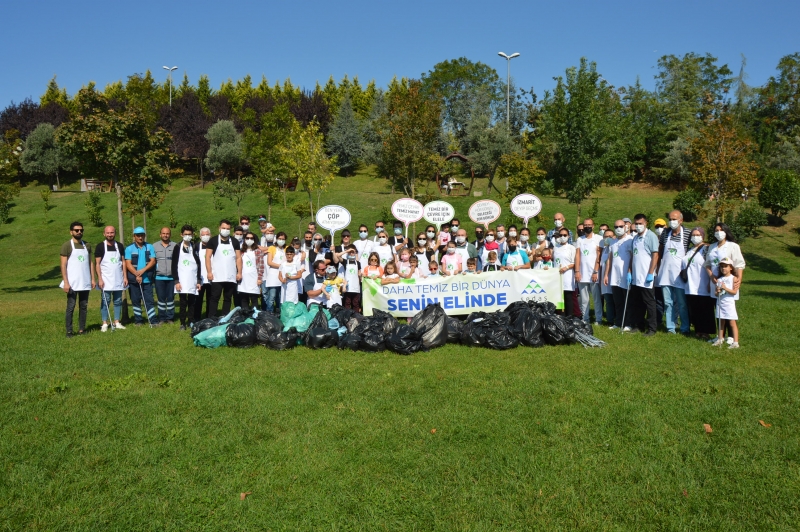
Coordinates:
138	429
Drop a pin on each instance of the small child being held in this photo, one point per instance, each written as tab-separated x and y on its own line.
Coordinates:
333	286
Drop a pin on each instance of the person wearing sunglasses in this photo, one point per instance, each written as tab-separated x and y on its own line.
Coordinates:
77	276
313	285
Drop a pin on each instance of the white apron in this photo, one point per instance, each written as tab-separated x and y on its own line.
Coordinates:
319	299
249	284
290	290
563	256
697	276
78	273
404	267
514	259
111	270
272	273
422	261
620	262
223	263
203	269
640	265
363	247
587	247
349	271
715	254
464	252
372	272
385	253
187	272
671	264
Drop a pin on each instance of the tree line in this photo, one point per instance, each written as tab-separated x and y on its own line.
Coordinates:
703	130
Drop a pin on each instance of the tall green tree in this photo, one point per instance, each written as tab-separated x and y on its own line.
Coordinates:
345	138
226	151
305	157
43	155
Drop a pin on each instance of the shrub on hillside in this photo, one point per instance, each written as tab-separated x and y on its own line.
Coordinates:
780	192
689	202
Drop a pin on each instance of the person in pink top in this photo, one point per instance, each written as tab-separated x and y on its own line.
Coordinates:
452	263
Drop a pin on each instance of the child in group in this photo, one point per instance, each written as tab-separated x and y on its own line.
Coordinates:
444	236
333	286
350	269
472	267
536	258
492	264
390	275
433	269
290	275
373	269
451	262
547	259
416	272
726	304
403	265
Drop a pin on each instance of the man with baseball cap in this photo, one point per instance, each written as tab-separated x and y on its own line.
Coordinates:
140	263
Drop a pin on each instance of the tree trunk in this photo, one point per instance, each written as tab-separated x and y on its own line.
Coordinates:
58	181
202	181
578	218
269	208
144	218
311	204
284	197
121	234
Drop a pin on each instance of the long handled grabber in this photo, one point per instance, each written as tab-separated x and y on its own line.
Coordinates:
625	309
144	304
108	312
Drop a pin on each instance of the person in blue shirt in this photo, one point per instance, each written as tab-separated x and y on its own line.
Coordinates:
140	265
515	258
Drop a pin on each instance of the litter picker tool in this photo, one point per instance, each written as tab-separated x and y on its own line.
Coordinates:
108	312
144	303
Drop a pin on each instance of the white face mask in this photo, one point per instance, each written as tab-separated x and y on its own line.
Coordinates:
558	223
524	238
453	228
563	239
512	233
501	234
249	241
187	238
720	235
430	234
269	237
450	251
362	235
640	228
541	238
422	242
609	241
225	233
382	240
246	227
619	231
673	224
281	242
696	239
205	238
490	238
460	239
239	237
659	230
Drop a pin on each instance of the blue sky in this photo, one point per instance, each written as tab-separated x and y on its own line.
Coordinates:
308	41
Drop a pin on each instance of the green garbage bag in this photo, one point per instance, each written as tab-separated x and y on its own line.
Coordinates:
291	310
212	338
300	322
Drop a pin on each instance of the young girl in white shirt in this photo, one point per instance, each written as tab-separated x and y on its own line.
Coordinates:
726	304
390	275
290	274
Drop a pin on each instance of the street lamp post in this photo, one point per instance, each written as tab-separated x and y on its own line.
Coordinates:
508	84
170	82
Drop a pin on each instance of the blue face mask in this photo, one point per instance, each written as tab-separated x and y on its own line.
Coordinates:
378	229
363	234
398	230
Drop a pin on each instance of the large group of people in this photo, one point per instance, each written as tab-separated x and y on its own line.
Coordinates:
629	275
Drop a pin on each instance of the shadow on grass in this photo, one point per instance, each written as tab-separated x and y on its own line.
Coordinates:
774	283
775	221
24	289
762	264
5	235
794	250
49	275
788	296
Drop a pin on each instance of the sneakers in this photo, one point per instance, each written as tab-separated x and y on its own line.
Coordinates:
613	327
627	329
104	328
734	345
649	333
730	340
118	325
717	342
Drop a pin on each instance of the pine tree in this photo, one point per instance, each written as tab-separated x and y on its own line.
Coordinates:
344	137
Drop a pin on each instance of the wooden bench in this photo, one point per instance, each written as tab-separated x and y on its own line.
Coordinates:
87	185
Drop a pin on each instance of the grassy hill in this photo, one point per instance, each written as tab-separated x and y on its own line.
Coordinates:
140	430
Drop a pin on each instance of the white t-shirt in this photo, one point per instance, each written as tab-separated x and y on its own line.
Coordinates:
587	247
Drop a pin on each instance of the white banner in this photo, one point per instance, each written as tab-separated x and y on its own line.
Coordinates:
462	294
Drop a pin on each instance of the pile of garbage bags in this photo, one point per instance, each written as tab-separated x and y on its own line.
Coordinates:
529	324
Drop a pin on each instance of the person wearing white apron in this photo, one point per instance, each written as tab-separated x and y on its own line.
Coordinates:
698	295
605	289
77	277
224	267
723	248
253	267
587	272
674	242
350	271
516	258
275	256
363	244
617	266
205	236
312	285
564	261
383	249
291	276
109	258
643	265
186	272
464	248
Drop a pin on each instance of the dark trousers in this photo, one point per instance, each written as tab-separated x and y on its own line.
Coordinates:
576	305
569	303
619	306
82	297
217	290
352	300
701	314
198	302
659	294
187	304
165	291
142	294
248	302
642	306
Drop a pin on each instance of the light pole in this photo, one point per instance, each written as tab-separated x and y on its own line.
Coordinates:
508	84
170	82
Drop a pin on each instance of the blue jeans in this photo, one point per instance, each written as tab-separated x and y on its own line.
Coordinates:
142	293
674	307
108	298
165	290
272	298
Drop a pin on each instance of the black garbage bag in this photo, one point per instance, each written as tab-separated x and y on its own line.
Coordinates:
342	315
454	328
350	341
390	324
548	308
267	325
497	333
431	324
405	340
515	308
472	332
321	338
203	325
580	325
284	340
239	316
527	328
556	330
372	341
241	335
353	322
320	320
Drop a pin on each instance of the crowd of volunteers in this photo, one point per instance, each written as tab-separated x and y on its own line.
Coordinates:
629	274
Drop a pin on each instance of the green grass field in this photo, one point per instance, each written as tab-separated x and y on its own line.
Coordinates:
139	430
